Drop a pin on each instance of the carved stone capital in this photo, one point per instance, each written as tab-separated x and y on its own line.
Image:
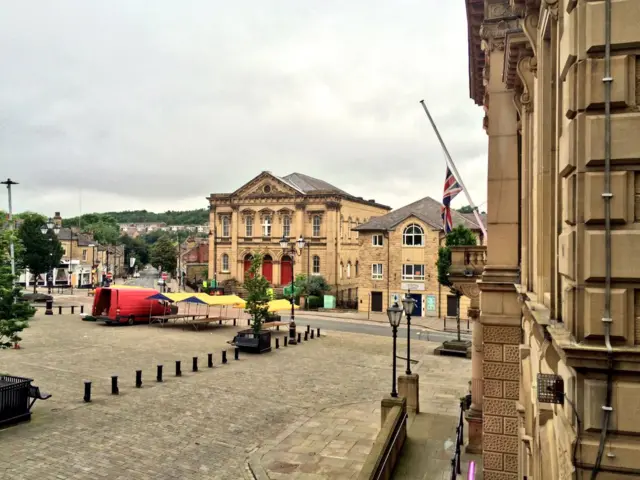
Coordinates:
525	68
552	5
469	290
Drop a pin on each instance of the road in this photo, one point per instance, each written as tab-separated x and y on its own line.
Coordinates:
149	276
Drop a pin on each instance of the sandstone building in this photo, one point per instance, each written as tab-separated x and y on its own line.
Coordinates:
258	214
557	387
397	255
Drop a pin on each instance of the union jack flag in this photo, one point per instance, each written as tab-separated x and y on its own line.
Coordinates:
451	189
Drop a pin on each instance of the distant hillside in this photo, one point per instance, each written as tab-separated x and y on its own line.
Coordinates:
170	217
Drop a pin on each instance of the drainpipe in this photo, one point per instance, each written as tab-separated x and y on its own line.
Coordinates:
606	196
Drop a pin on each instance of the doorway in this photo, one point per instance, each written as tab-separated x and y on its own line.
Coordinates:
376	301
286	270
417	307
452	306
267	268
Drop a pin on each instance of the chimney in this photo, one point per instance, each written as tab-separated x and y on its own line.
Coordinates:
372	200
57	219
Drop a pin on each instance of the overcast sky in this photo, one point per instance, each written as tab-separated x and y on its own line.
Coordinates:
139	104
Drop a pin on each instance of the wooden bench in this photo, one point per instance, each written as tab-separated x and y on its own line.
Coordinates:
277	325
36	394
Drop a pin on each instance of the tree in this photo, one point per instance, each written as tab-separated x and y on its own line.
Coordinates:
103	232
136	248
41	252
164	255
257	288
467	209
314	285
14	313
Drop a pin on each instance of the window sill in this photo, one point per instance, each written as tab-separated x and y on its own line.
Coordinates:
377	278
413	279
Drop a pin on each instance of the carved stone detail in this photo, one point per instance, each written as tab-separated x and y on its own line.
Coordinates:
552	5
525	73
469	290
529	26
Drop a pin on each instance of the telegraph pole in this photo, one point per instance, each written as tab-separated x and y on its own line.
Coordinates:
8	182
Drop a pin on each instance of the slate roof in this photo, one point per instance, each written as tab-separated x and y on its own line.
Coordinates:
83	239
426	209
307	184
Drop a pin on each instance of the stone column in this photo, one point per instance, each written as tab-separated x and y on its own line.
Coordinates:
474	414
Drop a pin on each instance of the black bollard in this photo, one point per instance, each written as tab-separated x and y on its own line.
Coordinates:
234	322
81	308
248	321
224	356
59	310
286	340
72	309
159	374
195	364
318	333
299	337
306	336
236	353
87	392
49	309
210	360
178	370
138	378
312	334
308	328
277	343
114	385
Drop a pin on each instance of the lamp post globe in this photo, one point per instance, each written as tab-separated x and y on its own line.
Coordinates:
301	243
408	303
44	229
50	224
394	314
284	243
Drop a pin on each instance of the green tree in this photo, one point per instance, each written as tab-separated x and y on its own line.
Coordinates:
136	248
257	287
14	313
314	285
467	209
103	232
459	236
164	255
41	252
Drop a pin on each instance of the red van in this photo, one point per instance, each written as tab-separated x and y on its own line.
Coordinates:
126	305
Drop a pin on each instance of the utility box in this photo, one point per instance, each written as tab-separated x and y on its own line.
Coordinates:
329	301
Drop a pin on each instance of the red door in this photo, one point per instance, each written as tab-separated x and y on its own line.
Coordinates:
267	268
247	264
286	271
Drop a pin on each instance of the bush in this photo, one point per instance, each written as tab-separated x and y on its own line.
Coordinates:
315	302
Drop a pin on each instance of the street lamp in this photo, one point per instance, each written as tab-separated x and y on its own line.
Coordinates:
92	246
395	316
52	227
292	251
408	302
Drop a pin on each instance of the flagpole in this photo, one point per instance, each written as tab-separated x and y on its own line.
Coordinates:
455	172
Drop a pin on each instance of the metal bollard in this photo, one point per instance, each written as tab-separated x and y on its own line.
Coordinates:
286	340
219	322
114	385
318	333
277	343
236	354
49	307
210	360
59	310
306	336
234	322
72	309
138	378
81	308
224	356
159	374
299	337
311	334
87	392
248	321
178	370
195	364
308	328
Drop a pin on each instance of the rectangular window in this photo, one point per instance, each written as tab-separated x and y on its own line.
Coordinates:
412	272
316	264
248	227
84	255
225	262
316	226
376	240
376	271
226	227
266	226
286	226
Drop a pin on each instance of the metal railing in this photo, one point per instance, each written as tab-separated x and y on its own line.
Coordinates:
455	461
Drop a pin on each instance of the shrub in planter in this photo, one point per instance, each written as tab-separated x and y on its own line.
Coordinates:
315	302
257	304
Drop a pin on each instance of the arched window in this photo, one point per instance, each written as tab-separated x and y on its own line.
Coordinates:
316	264
286	226
316	225
266	226
225	262
413	236
341	268
349	269
248	226
226	224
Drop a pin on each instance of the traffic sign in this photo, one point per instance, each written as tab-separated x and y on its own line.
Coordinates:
109	275
164	275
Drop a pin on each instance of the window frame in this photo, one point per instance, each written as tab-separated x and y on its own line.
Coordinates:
315	233
248	226
222	262
315	260
413	276
267	226
349	269
226	226
286	226
413	235
377	275
377	236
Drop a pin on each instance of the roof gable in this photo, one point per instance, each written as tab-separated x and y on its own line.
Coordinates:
266	184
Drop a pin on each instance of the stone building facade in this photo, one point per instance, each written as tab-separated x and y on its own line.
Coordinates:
257	215
560	294
397	255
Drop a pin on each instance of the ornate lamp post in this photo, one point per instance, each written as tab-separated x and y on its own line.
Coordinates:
395	316
292	251
408	302
50	226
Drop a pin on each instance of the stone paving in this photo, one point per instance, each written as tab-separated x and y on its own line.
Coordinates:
320	399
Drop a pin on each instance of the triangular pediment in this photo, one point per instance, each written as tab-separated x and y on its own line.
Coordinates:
266	185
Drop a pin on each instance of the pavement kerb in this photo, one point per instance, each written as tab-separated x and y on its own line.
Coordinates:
254	462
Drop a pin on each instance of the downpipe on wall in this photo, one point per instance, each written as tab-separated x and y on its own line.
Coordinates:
607	409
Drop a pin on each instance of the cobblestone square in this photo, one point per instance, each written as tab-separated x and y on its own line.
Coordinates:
319	399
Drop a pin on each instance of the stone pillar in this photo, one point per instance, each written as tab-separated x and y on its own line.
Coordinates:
474	414
409	388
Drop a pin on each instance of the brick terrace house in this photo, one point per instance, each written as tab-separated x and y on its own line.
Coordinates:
258	214
397	254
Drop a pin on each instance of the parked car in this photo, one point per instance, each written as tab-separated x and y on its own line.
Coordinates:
126	305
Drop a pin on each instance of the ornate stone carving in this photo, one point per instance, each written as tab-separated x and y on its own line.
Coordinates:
529	26
552	5
525	74
498	30
469	290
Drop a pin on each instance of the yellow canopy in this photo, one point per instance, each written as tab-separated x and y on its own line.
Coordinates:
219	300
282	304
178	296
